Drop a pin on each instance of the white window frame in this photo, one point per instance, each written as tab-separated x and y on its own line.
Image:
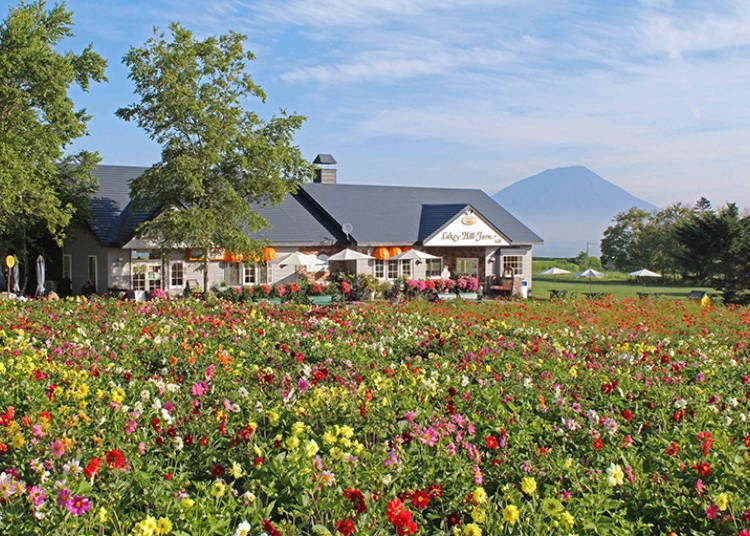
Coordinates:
96	270
172	276
406	270
393	267
515	262
379	269
250	274
433	268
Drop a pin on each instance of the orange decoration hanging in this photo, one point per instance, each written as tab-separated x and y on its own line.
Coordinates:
395	250
269	253
381	253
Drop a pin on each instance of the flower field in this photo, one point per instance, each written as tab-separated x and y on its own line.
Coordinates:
192	418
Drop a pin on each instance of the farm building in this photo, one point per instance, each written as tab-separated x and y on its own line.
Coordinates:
460	230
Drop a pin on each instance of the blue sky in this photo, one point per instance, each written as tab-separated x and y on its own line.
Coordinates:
653	95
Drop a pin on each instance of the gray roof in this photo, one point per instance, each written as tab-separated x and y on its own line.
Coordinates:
324	159
380	215
108	205
398	215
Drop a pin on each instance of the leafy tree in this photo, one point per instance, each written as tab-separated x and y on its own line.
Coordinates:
216	158
41	186
620	244
584	261
714	248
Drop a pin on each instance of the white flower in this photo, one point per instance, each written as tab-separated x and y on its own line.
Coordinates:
243	529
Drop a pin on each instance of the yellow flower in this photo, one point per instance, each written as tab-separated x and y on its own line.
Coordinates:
329	438
292	443
236	470
478	515
567	520
102	514
615	475
117	395
722	501
163	526
511	514
298	428
472	529
273	416
187	502
311	448
218	489
480	496
528	485
18	441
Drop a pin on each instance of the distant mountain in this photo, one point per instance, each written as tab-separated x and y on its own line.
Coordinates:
568	207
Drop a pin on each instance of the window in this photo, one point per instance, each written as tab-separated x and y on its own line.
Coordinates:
379	269
139	277
177	278
433	267
406	268
392	269
468	266
154	276
92	268
514	262
251	274
232	272
67	266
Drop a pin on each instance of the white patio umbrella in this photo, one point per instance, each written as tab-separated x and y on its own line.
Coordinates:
296	259
589	272
40	275
16	279
413	255
554	271
644	273
349	255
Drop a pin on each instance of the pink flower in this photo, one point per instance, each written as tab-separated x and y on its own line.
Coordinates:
711	511
57	448
744	532
699	487
78	505
478	477
199	389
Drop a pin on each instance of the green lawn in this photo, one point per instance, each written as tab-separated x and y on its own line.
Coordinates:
615	283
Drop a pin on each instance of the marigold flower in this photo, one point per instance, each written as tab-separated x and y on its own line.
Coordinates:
528	485
511	514
472	529
345	526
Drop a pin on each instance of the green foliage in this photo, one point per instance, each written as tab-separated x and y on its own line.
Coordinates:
583	261
217	158
714	248
639	239
41	186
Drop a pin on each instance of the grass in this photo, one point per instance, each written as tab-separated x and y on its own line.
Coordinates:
615	283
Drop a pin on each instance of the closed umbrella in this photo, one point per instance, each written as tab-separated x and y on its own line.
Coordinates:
40	275
15	277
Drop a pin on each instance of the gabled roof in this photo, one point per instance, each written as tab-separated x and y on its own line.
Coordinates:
393	215
379	215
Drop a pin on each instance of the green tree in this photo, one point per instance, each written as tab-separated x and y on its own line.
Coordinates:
217	159
620	244
714	248
41	187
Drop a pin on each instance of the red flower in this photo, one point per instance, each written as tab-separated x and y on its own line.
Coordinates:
627	414
435	491
454	519
269	528
346	288
747	441
704	468
420	499
598	444
345	526
491	442
357	499
92	467
672	449
115	459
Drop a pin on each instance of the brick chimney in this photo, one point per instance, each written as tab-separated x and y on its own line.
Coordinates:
325	170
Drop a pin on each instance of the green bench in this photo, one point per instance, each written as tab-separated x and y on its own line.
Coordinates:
323	299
